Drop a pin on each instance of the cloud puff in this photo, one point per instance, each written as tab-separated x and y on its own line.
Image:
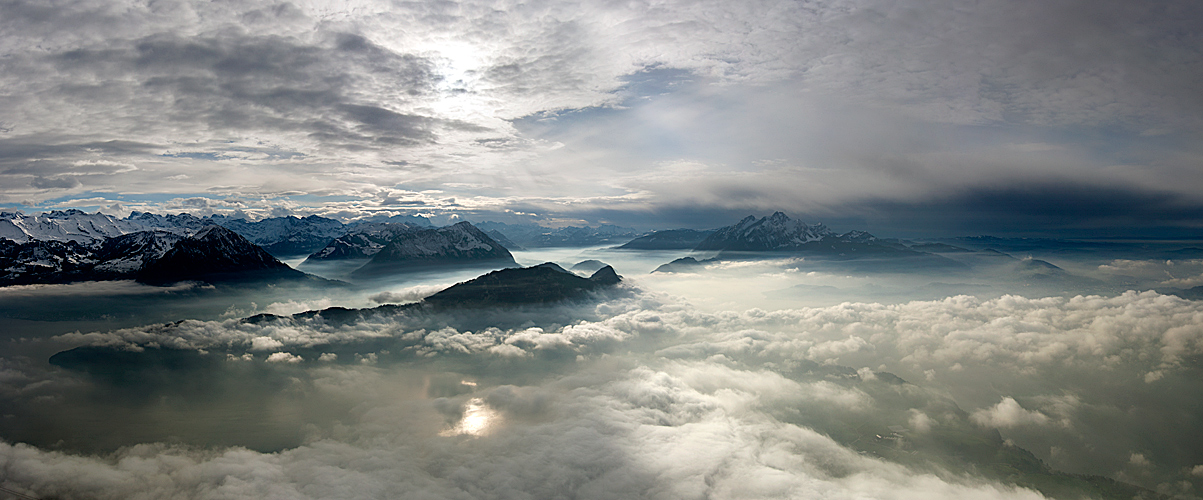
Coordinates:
411	294
1008	413
284	357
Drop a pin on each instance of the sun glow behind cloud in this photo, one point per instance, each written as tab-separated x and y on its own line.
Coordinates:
478	420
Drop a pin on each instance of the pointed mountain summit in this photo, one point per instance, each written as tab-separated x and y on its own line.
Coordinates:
681	265
216	254
458	245
768	234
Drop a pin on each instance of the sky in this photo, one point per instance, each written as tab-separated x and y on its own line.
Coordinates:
925	118
790	377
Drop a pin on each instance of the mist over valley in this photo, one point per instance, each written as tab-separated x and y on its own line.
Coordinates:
781	355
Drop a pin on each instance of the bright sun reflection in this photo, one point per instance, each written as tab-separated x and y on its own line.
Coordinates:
477	420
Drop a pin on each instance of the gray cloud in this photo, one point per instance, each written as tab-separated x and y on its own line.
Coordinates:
822	109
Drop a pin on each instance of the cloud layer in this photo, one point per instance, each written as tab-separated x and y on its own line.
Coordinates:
642	396
602	110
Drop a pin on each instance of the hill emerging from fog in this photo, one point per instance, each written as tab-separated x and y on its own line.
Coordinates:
542	284
671	239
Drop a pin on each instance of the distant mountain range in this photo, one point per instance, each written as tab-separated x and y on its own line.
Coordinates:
214	255
672	239
280	236
285	235
71	245
361	242
779	234
536	236
456	245
767	234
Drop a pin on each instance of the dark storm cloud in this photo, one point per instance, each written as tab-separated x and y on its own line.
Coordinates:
1044	208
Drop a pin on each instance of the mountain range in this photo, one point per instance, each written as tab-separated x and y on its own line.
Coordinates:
361	242
781	234
536	236
72	245
280	236
671	239
213	255
68	246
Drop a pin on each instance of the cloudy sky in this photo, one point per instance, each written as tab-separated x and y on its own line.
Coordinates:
1058	117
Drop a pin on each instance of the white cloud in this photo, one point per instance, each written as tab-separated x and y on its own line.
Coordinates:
635	365
920	422
411	294
265	344
1008	413
284	357
640	432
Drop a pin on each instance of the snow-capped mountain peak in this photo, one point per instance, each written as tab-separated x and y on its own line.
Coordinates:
775	232
88	229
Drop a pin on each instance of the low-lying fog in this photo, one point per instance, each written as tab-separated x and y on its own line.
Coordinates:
771	378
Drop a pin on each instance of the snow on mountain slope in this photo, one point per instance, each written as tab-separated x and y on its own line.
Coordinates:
773	233
130	253
45	261
215	253
89	229
363	241
69	225
458	244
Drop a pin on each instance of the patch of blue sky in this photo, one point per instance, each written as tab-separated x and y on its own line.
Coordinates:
270	153
196	155
639	87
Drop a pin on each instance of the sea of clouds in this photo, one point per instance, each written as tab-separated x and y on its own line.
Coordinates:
641	395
